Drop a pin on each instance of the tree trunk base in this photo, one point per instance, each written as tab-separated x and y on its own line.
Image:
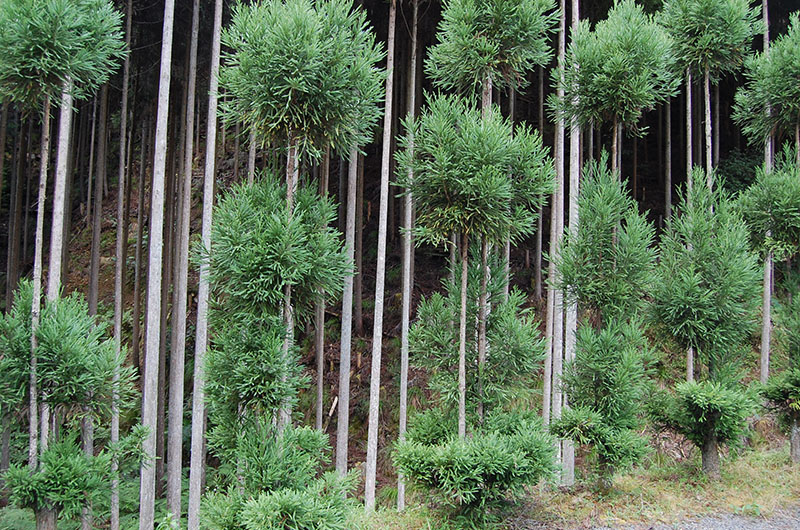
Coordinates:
46	519
794	442
710	453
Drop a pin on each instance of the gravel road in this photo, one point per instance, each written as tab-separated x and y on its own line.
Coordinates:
787	519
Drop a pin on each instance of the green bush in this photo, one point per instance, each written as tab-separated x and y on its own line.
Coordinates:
474	476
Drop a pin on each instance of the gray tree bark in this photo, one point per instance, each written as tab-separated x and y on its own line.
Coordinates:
137	272
408	257
201	341
60	193
343	416
380	274
153	330
97	216
668	163
319	309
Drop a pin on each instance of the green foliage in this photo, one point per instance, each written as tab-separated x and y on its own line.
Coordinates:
15	350
617	71
707	287
44	43
711	34
259	248
787	325
473	476
782	393
303	70
608	265
272	483
605	384
66	480
471	174
500	39
737	170
512	334
770	99
771	209
700	409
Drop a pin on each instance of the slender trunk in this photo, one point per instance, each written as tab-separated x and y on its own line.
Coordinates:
90	176
36	304
668	163
690	363
197	461
716	120
794	442
537	259
97	218
512	103
319	310
408	258
462	341
251	157
709	152
176	377
710	456
14	233
688	129
765	41
292	173
615	149
3	123
380	273
343	416
482	315
236	138
59	193
119	268
137	281
358	285
87	434
153	330
766	321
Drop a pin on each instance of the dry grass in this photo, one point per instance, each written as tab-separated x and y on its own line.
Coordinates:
756	483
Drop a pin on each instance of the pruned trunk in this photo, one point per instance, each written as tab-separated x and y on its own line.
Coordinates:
794	442
90	176
343	415
60	193
137	272
482	315
251	157
690	363
462	341
668	163
615	150
153	329
710	457
36	304
319	309
709	151
97	216
688	129
196	467
408	259
766	317
15	231
380	275
716	120
358	281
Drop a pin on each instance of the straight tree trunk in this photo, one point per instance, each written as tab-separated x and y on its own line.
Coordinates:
36	304
137	281
59	193
716	120
486	111
119	268
408	257
14	233
462	340
236	138
709	151
343	416
766	320
97	218
196	467
537	259
153	330
615	150
3	124
358	282
292	175
710	457
794	442
512	104
89	178
251	157
319	309
689	130
380	273
668	163
175	427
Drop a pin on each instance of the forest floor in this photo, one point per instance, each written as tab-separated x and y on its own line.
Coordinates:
759	489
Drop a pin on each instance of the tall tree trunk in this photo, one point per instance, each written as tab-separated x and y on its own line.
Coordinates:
615	150
3	124
709	151
175	427
668	163
537	259
710	456
119	268
90	176
689	130
512	104
292	175
137	272
251	157
153	330
236	138
380	273
716	120
97	218
568	472
766	320
36	304
196	467
486	111
358	281
408	257
319	309
343	416
462	340
14	233
59	193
